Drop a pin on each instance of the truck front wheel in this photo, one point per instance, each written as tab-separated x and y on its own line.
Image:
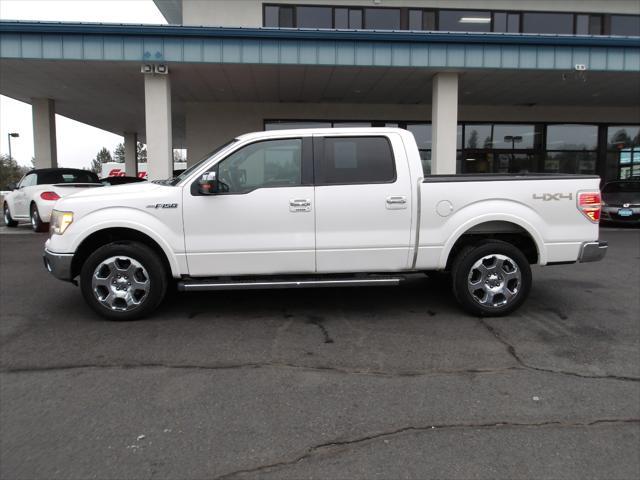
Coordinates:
123	280
491	278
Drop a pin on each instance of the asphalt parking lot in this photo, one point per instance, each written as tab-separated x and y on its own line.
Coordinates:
354	383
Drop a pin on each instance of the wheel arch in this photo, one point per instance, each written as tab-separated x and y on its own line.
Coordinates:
114	234
511	230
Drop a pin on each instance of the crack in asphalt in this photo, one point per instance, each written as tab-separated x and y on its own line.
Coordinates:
512	351
257	365
347	371
311	451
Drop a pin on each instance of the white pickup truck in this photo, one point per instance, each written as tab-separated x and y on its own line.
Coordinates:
320	208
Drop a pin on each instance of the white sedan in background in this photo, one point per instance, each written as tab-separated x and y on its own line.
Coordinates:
33	198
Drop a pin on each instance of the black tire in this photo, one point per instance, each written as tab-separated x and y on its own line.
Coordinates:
37	225
503	287
137	254
8	219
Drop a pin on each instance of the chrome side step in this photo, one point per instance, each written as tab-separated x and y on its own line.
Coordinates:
204	285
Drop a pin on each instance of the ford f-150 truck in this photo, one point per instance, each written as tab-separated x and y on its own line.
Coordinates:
320	208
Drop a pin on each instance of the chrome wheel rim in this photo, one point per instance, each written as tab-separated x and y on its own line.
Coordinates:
6	216
34	218
120	283
494	281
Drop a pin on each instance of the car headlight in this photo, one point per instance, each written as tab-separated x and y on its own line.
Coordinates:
60	221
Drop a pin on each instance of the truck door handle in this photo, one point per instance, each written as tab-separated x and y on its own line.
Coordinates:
396	202
300	205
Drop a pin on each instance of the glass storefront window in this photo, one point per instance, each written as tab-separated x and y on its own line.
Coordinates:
348	18
415	19
516	137
422	20
314	17
572	137
351	124
621	136
570	162
588	24
625	25
506	22
422	134
278	125
464	21
547	23
623	156
477	136
341	18
382	18
271	16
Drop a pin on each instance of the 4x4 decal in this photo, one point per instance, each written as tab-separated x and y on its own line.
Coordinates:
546	197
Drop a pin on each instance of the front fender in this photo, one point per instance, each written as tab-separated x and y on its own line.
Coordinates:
167	234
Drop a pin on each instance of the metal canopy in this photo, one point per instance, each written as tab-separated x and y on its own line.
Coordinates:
93	71
443	50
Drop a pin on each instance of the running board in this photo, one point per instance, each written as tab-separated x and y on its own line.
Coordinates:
193	285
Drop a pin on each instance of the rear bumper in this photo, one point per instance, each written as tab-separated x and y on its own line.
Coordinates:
58	264
592	251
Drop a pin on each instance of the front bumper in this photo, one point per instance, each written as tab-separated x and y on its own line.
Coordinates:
58	264
592	251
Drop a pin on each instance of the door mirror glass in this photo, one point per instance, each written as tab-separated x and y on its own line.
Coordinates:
208	183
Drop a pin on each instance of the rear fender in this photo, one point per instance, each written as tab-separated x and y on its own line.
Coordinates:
471	216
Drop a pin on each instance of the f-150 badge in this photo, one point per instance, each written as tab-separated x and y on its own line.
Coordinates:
163	205
546	197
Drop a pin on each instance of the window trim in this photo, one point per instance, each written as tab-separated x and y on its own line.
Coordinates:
306	167
318	157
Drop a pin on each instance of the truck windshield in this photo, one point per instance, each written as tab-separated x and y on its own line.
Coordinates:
188	171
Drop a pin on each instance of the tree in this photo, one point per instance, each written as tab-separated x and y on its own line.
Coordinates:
473	139
103	156
10	171
178	156
118	153
142	152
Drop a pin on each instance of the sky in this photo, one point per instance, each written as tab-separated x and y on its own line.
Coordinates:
77	142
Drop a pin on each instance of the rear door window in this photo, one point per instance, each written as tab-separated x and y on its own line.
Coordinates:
355	160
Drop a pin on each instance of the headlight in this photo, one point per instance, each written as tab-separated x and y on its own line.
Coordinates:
60	221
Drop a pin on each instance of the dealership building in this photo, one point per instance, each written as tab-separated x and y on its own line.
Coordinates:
493	86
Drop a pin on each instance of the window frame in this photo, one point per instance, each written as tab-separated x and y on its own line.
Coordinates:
318	158
306	166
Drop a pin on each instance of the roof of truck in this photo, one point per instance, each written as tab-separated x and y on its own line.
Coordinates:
307	132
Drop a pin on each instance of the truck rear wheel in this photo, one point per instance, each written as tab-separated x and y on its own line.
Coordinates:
123	280
492	278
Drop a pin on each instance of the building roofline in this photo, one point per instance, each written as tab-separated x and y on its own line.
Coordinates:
11	26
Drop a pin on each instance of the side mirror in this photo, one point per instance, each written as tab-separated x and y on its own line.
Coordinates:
12	186
208	183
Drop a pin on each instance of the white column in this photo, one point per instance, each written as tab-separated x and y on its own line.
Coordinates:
444	118
44	132
131	154
157	106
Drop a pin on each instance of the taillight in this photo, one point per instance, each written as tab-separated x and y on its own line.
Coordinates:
49	196
590	204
